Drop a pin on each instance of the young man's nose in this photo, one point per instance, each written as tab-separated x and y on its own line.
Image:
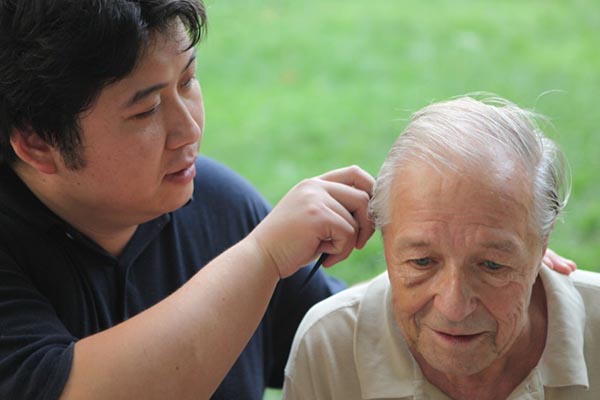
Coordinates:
184	123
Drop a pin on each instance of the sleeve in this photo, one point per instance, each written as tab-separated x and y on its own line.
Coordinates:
36	350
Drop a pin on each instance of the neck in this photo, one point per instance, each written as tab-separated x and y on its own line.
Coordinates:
114	241
499	379
102	229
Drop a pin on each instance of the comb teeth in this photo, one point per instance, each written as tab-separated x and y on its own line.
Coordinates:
314	269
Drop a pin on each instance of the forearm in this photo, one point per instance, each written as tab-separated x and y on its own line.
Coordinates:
183	346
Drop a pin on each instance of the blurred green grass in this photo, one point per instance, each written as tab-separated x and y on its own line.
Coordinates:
295	88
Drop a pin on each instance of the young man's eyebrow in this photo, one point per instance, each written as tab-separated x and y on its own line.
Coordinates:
143	93
190	61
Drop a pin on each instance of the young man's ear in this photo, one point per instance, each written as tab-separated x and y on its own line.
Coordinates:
34	151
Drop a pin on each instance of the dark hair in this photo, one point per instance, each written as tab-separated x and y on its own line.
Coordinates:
57	55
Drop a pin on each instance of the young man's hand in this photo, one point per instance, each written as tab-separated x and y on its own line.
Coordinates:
325	214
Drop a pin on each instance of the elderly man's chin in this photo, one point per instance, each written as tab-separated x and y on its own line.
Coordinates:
450	355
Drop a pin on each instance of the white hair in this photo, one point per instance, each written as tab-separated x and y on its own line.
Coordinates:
466	133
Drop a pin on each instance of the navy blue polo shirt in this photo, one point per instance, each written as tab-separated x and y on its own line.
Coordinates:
57	286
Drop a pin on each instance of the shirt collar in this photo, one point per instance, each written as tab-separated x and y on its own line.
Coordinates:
384	363
386	368
563	362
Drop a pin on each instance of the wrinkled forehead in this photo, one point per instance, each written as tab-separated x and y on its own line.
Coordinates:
493	171
469	155
498	192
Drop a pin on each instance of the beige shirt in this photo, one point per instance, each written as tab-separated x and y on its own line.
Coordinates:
349	347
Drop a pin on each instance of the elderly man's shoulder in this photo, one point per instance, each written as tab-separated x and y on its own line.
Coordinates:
587	284
339	311
321	362
577	293
587	279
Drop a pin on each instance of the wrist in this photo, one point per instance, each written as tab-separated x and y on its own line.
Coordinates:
264	258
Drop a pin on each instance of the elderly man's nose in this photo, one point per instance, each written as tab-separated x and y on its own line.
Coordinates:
455	299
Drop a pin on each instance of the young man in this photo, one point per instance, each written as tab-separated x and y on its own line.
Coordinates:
129	268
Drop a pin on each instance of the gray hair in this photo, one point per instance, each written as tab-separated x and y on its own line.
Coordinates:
470	130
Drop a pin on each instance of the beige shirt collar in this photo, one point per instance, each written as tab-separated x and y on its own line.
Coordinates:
386	367
563	362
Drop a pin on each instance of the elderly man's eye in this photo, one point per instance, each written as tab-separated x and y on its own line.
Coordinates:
422	262
492	265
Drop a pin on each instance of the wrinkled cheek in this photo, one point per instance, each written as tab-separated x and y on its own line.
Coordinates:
406	320
509	307
406	303
409	302
510	327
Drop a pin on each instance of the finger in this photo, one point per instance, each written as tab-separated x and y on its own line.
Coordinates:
340	240
564	264
559	263
560	267
351	176
341	252
356	202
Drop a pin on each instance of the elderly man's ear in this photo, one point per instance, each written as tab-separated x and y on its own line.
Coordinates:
558	263
34	151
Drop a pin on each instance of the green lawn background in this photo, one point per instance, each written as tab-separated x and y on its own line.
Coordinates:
294	88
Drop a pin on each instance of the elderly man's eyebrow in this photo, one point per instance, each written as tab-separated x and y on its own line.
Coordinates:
507	246
410	243
143	93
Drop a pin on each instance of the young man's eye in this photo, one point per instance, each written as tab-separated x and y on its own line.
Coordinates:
146	114
188	82
492	266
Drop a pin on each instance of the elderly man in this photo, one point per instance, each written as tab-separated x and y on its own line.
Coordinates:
466	202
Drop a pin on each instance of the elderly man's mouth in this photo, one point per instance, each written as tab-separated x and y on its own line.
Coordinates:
458	339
